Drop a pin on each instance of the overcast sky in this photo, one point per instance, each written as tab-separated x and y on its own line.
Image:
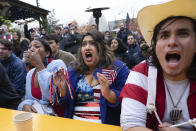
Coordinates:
69	10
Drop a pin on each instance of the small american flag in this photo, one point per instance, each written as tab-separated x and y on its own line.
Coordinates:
110	74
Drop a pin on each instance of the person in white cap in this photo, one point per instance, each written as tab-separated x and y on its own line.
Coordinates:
165	85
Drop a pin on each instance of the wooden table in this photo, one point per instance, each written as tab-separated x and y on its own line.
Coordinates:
52	123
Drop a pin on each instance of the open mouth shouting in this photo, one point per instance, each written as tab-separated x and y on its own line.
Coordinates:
173	59
88	56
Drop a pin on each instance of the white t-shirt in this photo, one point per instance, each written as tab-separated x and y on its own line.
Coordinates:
177	88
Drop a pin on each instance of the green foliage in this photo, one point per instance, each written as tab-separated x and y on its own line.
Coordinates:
4	21
12	30
45	24
51	22
113	34
117	23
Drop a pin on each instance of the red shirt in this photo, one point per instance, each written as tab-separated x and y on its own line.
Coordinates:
35	91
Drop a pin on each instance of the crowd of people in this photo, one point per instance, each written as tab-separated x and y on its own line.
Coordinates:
137	82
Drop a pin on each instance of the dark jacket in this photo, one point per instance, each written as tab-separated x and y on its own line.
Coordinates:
123	35
135	54
121	53
27	32
71	43
8	96
124	57
110	113
16	71
19	51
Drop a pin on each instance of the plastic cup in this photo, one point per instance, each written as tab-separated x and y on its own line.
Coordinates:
23	122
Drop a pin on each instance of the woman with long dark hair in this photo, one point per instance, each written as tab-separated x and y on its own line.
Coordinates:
96	80
38	78
120	51
20	45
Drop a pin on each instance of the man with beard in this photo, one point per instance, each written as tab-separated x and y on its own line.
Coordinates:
145	49
122	33
134	50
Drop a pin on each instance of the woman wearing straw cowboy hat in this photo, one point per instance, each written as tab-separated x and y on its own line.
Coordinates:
161	93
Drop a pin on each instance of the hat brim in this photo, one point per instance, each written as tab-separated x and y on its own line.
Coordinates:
150	16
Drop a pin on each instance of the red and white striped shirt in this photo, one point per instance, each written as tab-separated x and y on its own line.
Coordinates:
134	94
136	86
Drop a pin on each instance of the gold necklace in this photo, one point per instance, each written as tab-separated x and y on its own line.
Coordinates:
176	113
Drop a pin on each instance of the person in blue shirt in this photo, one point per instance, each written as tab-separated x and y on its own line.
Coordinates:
134	50
123	33
9	98
14	66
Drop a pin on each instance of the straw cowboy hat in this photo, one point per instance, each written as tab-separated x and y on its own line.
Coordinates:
150	16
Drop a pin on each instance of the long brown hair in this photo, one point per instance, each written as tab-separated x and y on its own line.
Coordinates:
106	56
17	43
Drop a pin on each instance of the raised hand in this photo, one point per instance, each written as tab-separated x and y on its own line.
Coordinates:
35	58
60	81
105	89
104	83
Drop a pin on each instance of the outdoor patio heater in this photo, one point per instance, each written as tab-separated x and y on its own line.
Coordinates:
97	14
